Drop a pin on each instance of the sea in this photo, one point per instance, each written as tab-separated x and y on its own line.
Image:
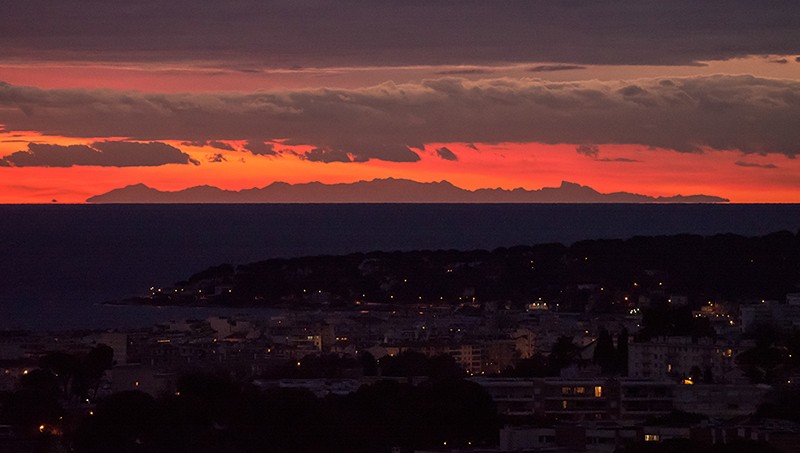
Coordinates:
60	263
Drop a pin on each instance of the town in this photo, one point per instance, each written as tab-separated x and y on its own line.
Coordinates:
673	342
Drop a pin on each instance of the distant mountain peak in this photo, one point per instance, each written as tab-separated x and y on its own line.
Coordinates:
384	190
139	186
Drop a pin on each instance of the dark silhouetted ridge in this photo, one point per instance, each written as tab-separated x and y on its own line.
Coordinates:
388	190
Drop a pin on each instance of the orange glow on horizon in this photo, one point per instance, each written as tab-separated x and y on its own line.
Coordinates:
506	165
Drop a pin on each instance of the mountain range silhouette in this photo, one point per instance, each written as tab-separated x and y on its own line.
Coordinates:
389	190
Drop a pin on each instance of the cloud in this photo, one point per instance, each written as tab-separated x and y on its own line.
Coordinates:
259	148
383	32
211	143
749	164
555	67
617	159
326	155
360	152
387	121
103	154
592	151
446	154
779	61
465	71
217	158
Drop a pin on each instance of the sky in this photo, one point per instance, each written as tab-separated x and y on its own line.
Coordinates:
652	97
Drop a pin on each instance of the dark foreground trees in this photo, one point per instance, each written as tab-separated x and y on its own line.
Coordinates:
41	401
211	414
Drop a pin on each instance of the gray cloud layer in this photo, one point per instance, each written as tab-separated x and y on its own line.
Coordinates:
749	164
326	155
216	158
592	151
446	153
212	143
104	154
555	67
287	33
260	148
754	115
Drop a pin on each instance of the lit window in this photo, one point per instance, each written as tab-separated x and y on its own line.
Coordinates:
598	391
564	404
652	437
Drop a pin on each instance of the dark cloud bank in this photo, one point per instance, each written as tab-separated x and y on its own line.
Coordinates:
212	143
259	148
555	68
446	154
593	151
753	165
290	33
103	154
692	114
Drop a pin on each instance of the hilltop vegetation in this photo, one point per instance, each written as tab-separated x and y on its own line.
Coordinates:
605	275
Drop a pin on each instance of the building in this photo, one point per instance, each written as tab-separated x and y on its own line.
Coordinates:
600	437
772	314
616	399
679	358
580	399
641	399
720	400
512	396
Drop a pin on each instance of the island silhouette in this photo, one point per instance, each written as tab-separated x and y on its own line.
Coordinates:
389	190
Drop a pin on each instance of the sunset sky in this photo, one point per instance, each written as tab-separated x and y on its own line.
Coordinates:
652	97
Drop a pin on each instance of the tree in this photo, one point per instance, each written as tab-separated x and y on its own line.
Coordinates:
444	366
562	354
604	353
390	413
123	422
91	370
622	352
369	365
534	366
64	366
763	363
35	403
405	364
708	376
